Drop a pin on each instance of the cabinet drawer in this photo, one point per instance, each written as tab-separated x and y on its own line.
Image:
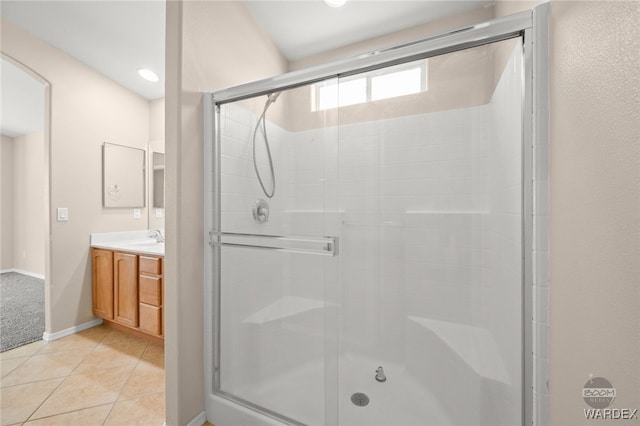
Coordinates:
150	290
151	319
150	265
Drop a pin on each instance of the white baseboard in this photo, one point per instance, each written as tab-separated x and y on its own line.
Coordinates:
198	420
23	272
69	331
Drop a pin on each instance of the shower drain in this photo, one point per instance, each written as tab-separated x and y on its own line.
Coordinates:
359	399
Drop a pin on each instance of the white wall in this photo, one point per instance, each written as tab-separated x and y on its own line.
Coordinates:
23	203
156	120
595	204
29	203
6	203
87	109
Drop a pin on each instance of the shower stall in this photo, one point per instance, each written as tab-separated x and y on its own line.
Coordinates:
370	236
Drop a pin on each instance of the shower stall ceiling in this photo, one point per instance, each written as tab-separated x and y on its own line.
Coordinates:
424	194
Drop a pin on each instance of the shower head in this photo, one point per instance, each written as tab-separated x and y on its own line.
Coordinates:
272	97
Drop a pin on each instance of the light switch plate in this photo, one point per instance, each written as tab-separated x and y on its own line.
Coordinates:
63	214
159	213
136	214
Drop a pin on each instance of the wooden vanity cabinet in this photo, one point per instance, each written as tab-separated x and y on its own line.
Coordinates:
128	291
102	283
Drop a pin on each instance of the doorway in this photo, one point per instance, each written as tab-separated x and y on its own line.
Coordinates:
24	206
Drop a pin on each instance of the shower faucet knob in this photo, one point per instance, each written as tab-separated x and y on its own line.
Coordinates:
260	211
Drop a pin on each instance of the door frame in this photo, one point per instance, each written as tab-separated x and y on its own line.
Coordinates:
47	208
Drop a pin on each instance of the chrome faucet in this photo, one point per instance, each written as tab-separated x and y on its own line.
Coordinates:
380	375
157	234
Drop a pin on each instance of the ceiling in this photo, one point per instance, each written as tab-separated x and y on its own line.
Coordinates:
21	96
118	37
114	37
304	28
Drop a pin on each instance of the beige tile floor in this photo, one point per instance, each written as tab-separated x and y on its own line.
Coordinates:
99	376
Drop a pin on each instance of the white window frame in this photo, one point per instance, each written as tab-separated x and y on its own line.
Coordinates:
424	78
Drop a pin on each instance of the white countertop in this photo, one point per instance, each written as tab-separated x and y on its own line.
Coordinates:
130	241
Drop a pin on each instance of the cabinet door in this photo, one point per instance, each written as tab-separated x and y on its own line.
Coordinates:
125	282
102	283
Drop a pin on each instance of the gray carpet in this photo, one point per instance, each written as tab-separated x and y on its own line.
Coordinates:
21	310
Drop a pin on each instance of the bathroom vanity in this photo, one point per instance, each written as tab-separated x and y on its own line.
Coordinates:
127	282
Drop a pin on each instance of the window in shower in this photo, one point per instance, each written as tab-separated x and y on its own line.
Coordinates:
347	93
387	83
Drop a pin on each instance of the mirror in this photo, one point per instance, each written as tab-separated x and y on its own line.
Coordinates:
156	166
158	180
156	201
123	176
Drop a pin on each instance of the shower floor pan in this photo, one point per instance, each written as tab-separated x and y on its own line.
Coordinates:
400	401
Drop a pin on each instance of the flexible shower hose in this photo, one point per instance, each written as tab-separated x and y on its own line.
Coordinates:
271	98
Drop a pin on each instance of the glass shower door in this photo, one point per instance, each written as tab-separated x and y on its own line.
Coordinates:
430	186
370	245
277	249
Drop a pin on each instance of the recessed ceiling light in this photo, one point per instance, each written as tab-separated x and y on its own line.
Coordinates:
148	74
335	3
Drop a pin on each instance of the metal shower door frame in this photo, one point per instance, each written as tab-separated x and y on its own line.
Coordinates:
532	26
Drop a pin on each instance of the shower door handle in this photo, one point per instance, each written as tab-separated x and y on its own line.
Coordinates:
324	246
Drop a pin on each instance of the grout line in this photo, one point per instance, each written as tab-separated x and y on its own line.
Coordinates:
61	383
26	358
71	373
34	381
84	358
131	373
99	343
66	412
25	355
125	384
37	353
110	411
64	381
45	400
